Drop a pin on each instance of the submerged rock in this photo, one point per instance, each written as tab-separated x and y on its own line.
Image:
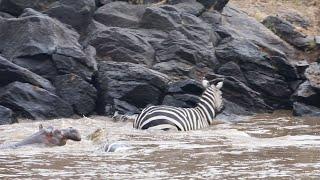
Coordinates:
300	109
32	102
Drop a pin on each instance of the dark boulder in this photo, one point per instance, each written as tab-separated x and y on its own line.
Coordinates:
45	42
10	72
287	32
263	74
16	7
181	100
236	24
6	116
75	13
214	4
307	95
184	93
119	14
312	73
122	45
295	18
5	15
189	6
32	102
77	92
300	109
232	69
126	85
165	17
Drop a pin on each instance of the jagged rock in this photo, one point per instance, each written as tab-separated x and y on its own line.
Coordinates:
134	84
238	25
313	75
285	68
188	86
119	14
5	15
287	31
41	64
300	109
262	74
232	69
184	93
301	67
10	72
16	7
306	94
32	102
189	6
294	18
122	45
181	100
6	116
75	13
77	92
165	17
39	39
214	4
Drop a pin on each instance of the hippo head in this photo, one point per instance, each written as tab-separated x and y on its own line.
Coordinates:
71	133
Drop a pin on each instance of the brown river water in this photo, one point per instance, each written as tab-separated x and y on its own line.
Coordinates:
266	146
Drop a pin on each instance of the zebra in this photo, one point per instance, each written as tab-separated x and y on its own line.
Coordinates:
183	119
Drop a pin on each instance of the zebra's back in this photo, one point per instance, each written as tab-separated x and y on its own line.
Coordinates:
168	117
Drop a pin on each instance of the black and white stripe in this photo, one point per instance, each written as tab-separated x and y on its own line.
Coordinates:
183	119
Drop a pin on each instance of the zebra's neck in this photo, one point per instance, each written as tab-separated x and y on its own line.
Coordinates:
207	105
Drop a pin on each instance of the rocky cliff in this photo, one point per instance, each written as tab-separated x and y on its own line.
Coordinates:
64	57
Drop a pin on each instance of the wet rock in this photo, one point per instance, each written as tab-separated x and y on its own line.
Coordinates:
313	75
301	67
119	14
32	102
306	94
285	68
246	99
300	109
77	92
6	116
10	72
214	4
262	74
75	13
134	84
287	31
5	15
122	45
16	7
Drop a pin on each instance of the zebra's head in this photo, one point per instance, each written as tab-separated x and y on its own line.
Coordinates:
214	90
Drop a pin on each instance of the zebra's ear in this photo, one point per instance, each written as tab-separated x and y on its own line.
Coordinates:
205	83
219	85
